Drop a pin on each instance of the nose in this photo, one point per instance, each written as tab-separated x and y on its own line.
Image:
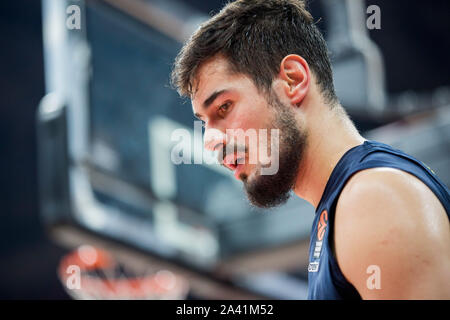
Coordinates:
213	139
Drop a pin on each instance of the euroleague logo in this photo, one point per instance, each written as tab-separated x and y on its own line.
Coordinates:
321	228
322	225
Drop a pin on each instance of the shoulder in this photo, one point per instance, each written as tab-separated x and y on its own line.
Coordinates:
386	190
390	219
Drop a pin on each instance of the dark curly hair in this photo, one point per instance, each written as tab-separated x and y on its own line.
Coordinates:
255	36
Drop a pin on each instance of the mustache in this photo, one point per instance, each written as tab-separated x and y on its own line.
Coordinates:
224	150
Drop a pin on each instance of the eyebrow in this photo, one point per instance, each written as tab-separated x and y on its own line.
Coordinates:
213	97
210	100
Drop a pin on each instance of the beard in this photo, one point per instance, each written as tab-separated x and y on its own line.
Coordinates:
268	191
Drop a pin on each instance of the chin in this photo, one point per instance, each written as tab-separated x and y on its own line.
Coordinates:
249	174
268	191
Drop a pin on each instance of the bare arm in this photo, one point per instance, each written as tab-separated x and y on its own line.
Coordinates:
390	221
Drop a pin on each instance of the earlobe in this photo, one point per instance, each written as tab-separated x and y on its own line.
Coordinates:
294	71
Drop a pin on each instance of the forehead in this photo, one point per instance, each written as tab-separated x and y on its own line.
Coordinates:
213	75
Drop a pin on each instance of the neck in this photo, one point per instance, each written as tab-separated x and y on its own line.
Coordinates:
330	135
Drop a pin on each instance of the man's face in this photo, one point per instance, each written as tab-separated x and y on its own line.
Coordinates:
234	111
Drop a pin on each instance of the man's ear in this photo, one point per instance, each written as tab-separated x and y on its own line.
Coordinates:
295	73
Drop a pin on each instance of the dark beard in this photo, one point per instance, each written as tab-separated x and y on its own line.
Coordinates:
268	191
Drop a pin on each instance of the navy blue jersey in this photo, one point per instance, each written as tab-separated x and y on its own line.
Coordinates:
325	279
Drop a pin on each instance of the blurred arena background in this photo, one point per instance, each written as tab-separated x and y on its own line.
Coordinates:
90	162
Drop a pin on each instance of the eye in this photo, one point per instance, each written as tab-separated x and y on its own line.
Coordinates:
222	110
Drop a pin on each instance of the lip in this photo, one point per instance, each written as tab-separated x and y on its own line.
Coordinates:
229	162
238	170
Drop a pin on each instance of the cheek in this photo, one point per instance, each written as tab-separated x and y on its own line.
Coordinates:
255	133
252	116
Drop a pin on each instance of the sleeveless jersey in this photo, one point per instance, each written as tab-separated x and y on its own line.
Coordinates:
325	279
